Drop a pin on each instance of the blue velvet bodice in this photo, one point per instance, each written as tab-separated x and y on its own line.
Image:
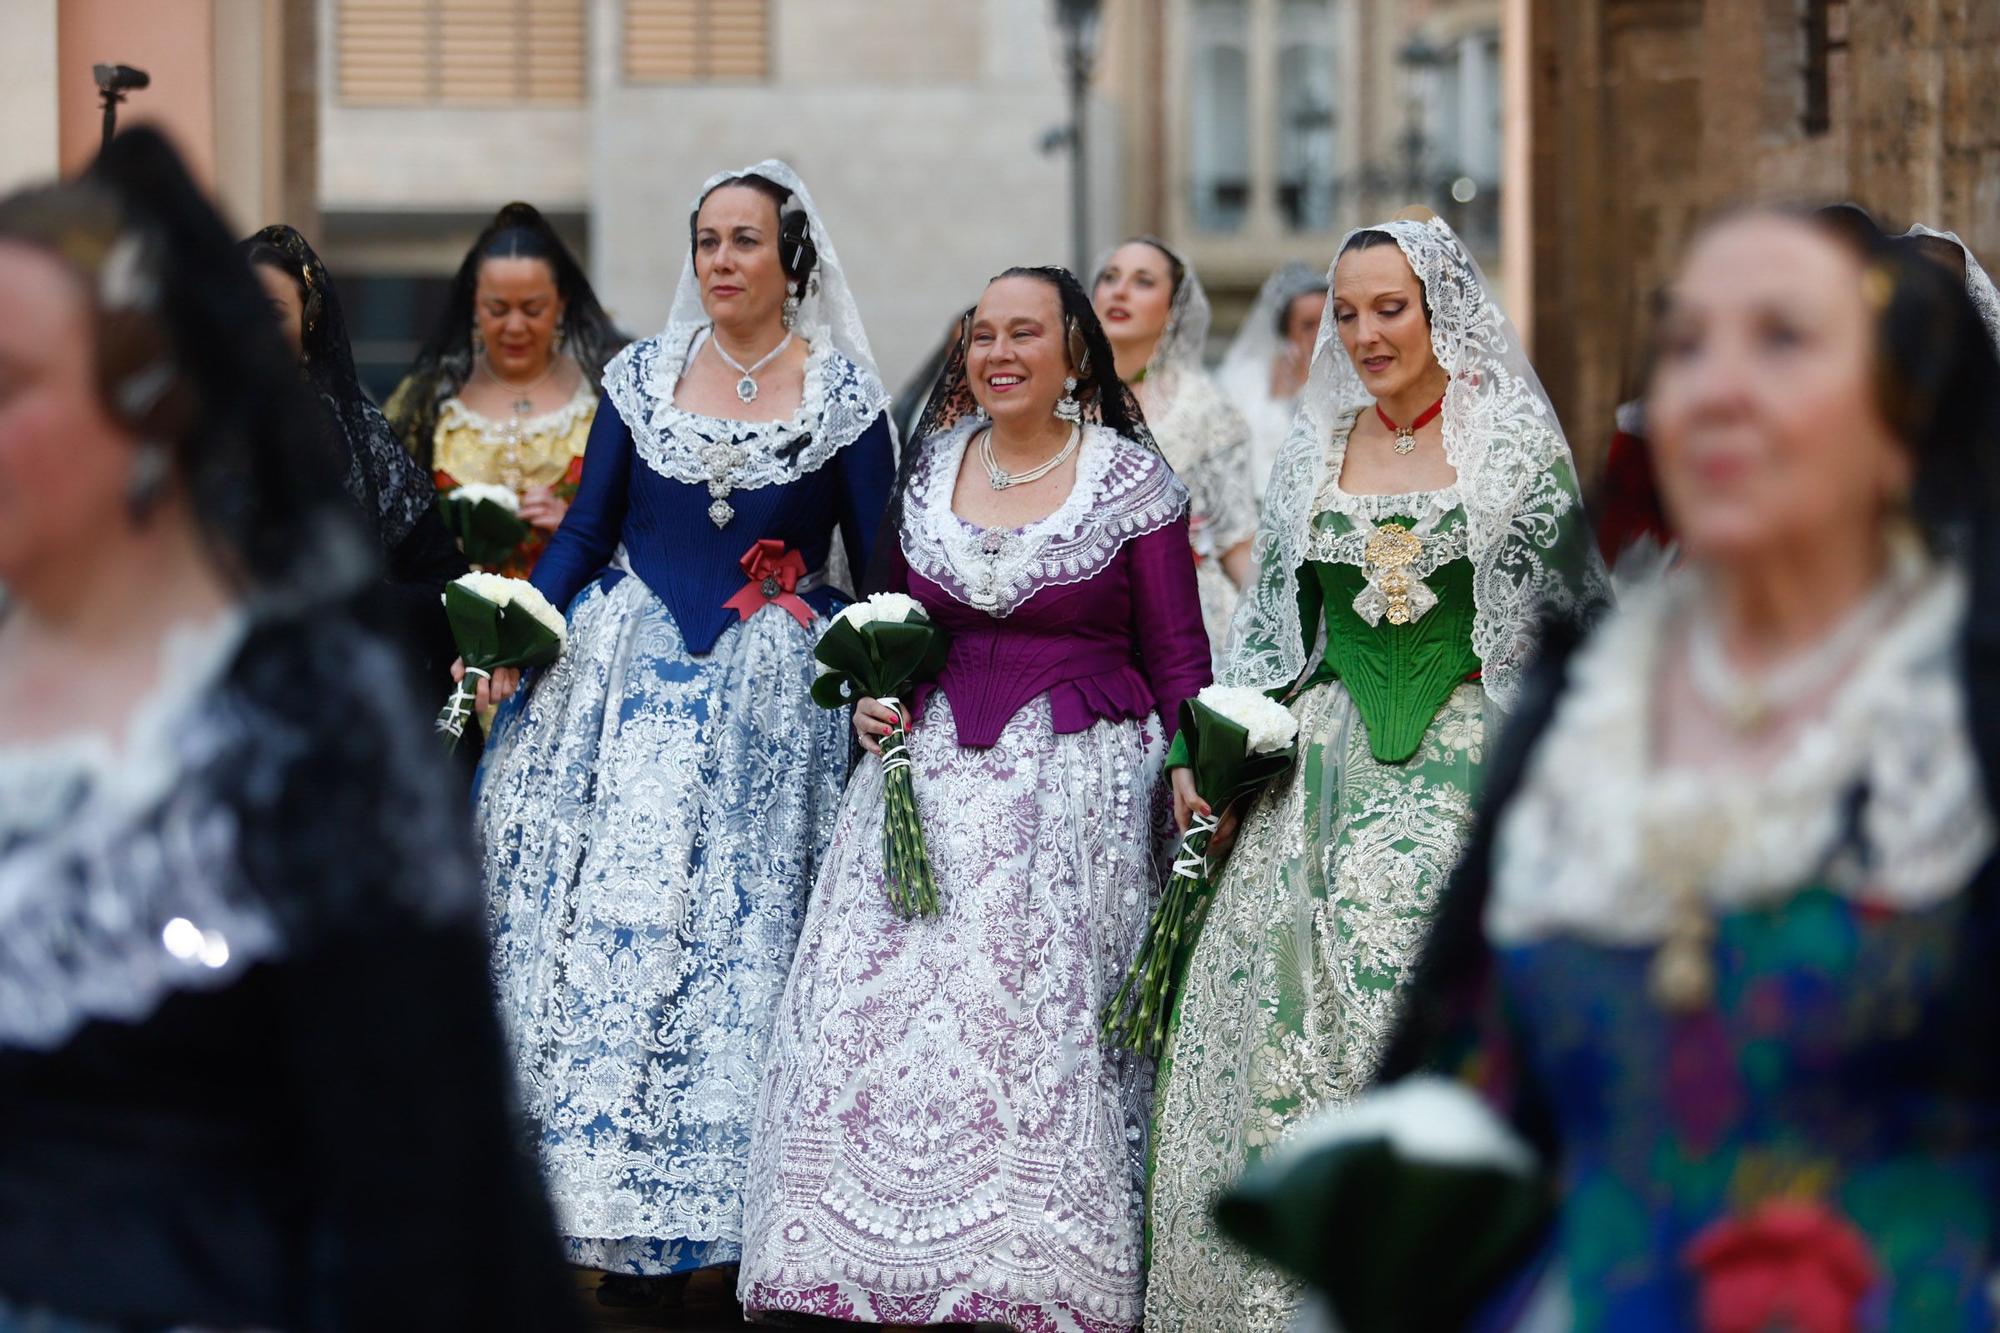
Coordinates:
671	543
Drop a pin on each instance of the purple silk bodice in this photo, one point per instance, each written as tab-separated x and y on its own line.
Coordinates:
1095	606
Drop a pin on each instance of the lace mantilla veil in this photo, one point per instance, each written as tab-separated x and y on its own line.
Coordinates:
1978	285
640	380
1530	552
1245	372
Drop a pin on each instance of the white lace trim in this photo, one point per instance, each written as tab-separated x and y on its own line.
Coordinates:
1122	490
455	415
136	767
119	882
1574	849
839	401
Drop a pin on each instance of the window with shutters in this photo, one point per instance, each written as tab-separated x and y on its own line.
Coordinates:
460	52
697	41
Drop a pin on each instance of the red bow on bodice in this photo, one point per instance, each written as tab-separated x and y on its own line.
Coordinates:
774	573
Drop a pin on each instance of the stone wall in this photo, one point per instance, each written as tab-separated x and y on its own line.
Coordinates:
1647	115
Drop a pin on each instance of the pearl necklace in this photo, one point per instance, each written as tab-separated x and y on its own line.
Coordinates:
746	388
1751	703
1001	479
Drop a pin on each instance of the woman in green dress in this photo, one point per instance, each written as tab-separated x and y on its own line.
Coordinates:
1420	518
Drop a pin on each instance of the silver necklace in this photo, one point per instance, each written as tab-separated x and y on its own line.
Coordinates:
746	388
524	394
1000	478
1750	704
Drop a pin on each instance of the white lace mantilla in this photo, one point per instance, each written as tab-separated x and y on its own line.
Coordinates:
119	879
1525	537
1576	847
1122	490
840	401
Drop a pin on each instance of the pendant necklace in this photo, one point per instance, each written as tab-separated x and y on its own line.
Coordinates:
1000	479
1406	436
746	388
524	394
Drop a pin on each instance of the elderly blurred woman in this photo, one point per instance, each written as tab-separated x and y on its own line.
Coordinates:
1722	946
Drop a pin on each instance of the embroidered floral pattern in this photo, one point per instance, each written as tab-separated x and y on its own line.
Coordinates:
840	400
652	823
1294	984
942	1135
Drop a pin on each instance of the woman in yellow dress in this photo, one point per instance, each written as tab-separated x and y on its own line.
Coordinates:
504	392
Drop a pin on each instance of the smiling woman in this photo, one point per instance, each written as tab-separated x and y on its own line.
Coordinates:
943	1137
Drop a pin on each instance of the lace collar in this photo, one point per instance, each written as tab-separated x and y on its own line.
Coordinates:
1575	847
1334	498
136	767
839	401
455	415
1122	490
119	874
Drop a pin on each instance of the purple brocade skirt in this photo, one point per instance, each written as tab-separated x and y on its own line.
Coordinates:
941	1136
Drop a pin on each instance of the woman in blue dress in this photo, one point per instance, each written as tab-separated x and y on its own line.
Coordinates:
654	805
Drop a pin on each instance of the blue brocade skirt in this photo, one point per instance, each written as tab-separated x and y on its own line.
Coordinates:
653	822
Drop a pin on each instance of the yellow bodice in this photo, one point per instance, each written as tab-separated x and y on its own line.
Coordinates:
518	453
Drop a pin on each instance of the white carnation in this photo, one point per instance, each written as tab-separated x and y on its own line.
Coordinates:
1269	723
475	491
889	607
895	607
502	591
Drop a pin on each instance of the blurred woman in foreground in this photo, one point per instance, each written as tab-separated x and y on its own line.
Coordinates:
250	1076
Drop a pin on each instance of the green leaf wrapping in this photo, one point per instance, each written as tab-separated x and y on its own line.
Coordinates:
1395	1243
881	660
486	532
488	635
1224	772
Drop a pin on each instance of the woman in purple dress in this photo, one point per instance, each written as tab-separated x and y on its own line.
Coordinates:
942	1136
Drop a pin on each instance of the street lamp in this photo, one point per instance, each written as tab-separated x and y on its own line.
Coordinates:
1079	20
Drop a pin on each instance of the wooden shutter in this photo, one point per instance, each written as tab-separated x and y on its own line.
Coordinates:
461	52
697	41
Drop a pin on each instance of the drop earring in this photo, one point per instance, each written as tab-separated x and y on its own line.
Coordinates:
791	315
1068	408
148	479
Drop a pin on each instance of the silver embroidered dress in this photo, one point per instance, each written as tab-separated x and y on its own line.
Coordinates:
655	807
942	1136
1425	603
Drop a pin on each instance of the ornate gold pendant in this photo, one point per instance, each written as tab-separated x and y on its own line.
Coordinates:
1406	440
1391	549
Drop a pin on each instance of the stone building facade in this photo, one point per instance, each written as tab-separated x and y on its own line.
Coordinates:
1643	116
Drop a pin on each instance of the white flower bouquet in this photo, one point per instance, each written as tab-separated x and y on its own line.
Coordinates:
878	648
1237	740
486	519
496	622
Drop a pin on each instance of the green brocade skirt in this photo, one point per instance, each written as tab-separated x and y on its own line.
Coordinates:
1294	983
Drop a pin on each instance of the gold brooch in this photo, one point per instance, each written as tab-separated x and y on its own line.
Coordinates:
1391	548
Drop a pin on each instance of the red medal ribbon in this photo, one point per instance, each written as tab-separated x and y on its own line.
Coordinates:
1424	419
773	572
